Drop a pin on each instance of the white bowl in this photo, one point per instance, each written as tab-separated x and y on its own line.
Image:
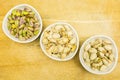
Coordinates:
111	67
7	32
71	55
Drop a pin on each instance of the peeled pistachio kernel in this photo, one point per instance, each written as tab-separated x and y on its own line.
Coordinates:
18	23
9	17
36	32
25	13
14	12
14	26
24	32
17	13
11	21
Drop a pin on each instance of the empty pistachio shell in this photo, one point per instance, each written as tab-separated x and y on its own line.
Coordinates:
67	27
101	49
55	50
106	42
63	55
93	56
70	33
101	54
45	41
97	64
61	48
56	35
103	68
107	54
66	50
108	47
87	63
87	47
94	68
65	40
111	56
85	55
92	50
58	27
73	41
105	61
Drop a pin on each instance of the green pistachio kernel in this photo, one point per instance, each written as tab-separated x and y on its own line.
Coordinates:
36	32
14	26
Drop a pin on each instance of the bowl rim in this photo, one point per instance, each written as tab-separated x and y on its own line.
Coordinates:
81	58
58	59
15	39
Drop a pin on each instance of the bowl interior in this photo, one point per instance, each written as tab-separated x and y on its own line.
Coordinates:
115	51
68	57
7	32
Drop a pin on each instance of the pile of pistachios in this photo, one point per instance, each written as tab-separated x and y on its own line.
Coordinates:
23	23
98	54
59	41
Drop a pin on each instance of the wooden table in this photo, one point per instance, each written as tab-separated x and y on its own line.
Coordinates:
89	17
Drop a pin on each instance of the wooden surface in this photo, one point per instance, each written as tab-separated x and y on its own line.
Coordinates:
89	17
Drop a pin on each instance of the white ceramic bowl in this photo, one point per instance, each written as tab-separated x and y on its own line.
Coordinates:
7	32
111	67
71	55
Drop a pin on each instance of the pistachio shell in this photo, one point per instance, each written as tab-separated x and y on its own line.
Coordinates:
73	41
87	47
56	35
105	61
103	68
66	50
108	47
63	55
92	50
101	54
93	56
45	41
111	57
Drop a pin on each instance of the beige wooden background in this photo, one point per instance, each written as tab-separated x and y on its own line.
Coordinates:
89	17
